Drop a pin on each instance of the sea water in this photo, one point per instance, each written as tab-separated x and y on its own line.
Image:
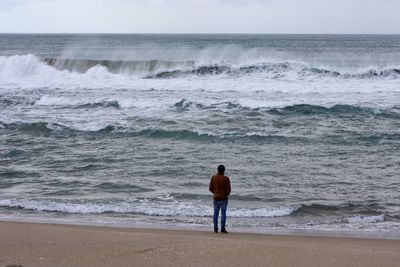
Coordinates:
128	129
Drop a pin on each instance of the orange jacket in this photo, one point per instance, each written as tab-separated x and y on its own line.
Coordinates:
220	186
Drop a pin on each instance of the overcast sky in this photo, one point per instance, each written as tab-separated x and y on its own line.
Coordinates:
200	16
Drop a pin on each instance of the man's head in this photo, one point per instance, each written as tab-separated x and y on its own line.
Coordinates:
221	169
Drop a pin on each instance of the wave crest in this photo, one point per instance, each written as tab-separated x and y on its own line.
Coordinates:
27	65
118	66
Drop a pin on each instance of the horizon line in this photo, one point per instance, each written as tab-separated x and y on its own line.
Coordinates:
187	33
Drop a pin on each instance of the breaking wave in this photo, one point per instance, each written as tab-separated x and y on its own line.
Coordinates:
182	208
140	207
118	66
176	69
26	65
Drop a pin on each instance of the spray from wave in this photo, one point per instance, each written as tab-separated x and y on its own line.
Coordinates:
176	69
30	65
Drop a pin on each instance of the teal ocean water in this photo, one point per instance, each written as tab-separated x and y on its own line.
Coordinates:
129	129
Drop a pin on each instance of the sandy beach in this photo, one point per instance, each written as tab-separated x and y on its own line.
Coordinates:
31	244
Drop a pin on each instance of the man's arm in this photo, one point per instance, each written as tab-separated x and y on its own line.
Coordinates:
228	185
211	187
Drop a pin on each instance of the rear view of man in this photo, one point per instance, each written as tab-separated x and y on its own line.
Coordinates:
220	186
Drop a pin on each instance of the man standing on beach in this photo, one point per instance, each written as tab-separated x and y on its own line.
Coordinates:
220	186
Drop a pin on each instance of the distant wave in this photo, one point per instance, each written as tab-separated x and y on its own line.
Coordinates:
292	110
25	65
274	70
57	130
162	69
44	128
185	105
116	66
175	69
304	109
234	109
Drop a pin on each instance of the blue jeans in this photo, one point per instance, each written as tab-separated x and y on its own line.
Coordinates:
220	204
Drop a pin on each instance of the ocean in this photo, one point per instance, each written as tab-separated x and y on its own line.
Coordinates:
128	129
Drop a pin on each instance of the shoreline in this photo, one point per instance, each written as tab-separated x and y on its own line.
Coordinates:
40	244
343	233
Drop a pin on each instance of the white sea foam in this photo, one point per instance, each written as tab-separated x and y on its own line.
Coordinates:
47	100
261	212
259	90
32	67
22	66
151	208
167	207
99	72
366	219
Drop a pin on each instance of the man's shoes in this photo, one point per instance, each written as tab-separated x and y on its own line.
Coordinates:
224	232
216	231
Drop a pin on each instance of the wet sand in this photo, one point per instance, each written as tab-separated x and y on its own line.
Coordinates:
30	244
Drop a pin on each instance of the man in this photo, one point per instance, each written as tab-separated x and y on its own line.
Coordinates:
220	186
